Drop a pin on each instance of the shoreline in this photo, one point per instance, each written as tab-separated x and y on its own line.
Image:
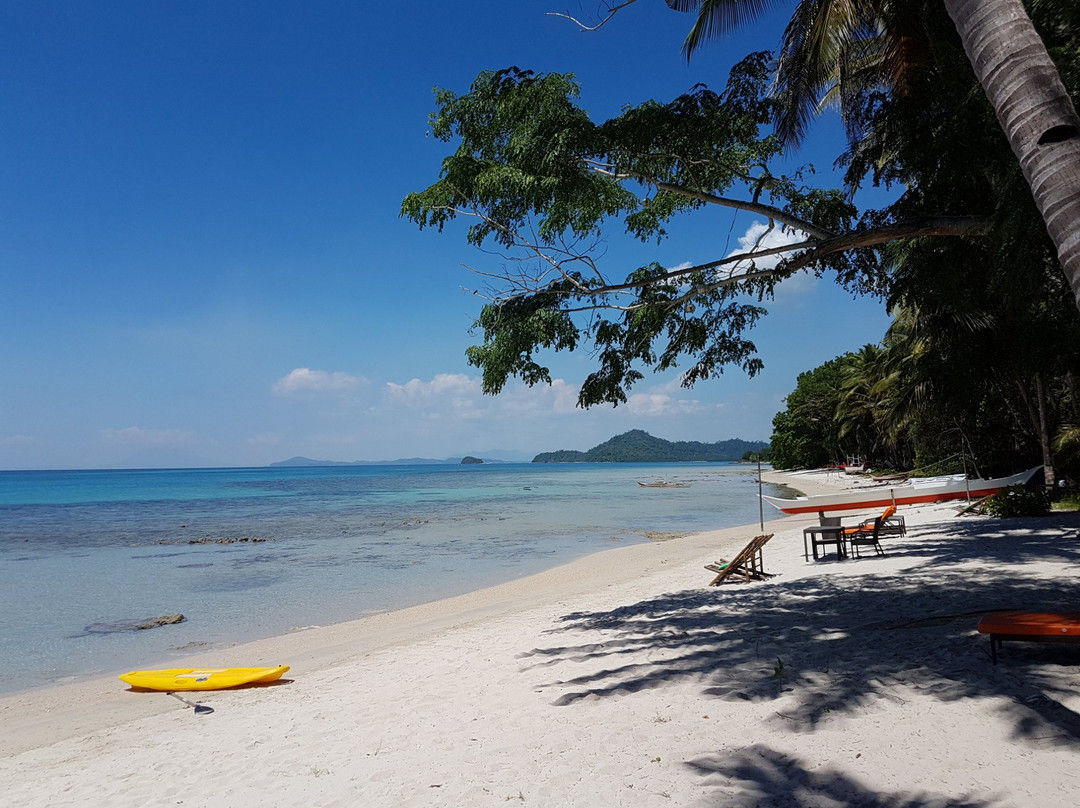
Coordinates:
51	713
406	538
623	679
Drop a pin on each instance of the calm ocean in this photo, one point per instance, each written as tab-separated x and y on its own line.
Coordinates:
85	554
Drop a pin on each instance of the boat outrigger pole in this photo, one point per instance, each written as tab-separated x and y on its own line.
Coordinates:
760	501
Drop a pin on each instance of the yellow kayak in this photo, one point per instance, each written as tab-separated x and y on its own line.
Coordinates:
201	678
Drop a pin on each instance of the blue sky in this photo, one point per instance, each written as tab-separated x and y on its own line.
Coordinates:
202	261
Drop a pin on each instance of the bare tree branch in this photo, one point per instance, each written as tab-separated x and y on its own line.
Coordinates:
702	196
753	207
611	12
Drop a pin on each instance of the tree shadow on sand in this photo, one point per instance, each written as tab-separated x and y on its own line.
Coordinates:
838	643
757	776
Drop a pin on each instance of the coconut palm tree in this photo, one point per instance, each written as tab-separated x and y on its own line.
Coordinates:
831	52
858	408
838	40
1035	111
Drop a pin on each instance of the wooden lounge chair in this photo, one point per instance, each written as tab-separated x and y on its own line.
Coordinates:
1029	627
746	566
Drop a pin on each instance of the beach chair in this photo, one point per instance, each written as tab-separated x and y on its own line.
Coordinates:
869	533
746	566
892	524
834	535
865	535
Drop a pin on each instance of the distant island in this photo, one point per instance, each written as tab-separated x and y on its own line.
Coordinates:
638	446
635	446
303	462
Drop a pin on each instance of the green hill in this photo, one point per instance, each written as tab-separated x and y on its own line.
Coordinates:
638	446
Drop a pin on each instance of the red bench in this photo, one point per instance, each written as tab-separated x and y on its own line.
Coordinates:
1029	627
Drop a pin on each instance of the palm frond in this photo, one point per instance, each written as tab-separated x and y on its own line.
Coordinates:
717	17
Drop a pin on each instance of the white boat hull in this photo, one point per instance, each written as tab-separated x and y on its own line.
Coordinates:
927	490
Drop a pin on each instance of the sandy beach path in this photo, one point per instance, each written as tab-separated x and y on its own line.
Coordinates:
623	680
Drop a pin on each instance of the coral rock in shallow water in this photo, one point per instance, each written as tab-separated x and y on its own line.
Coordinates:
164	620
134	625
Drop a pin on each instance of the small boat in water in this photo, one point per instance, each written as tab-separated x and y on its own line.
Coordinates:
917	490
663	484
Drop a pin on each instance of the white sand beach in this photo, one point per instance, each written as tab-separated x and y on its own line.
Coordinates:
623	680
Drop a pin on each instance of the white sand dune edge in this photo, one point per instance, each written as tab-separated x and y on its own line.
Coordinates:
623	680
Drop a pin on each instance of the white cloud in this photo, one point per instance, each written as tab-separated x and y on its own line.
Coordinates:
448	414
442	387
447	398
558	398
448	395
759	237
307	383
660	404
457	396
134	436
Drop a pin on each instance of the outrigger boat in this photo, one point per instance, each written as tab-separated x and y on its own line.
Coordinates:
917	490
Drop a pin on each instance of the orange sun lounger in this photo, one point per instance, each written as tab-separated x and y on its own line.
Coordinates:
1029	627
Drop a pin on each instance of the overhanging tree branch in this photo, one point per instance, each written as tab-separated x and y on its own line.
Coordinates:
750	206
802	255
542	183
938	226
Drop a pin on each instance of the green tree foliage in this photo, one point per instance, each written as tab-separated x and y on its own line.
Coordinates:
945	392
1016	500
986	336
857	49
637	446
831	51
539	180
806	434
983	355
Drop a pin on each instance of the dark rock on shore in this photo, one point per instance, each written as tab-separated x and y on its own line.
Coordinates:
225	540
164	620
228	540
134	625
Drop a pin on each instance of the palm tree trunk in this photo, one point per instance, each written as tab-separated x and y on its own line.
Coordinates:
1037	415
1044	431
1034	109
1074	400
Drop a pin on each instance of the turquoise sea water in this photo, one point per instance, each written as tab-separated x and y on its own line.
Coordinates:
83	554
